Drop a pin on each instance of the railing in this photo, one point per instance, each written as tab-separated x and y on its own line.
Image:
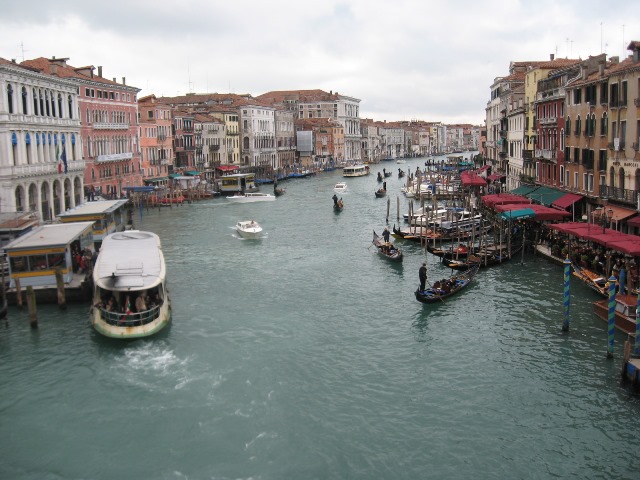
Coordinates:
546	154
548	121
39	169
214	148
130	319
620	194
114	157
110	126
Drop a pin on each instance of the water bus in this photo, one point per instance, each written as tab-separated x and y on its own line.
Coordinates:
355	171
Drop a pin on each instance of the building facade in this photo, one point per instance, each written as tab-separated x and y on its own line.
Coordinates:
41	165
156	140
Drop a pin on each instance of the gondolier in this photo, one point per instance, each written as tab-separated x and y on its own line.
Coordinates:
422	273
385	235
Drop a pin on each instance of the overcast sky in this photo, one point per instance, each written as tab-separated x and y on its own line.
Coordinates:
404	59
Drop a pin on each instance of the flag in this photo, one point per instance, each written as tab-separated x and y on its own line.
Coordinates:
58	158
64	159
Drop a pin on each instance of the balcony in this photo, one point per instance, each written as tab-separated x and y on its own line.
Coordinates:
22	171
110	126
214	148
114	157
548	121
547	155
620	194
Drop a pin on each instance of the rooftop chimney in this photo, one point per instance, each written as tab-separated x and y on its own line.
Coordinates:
54	69
100	70
614	60
124	81
552	56
601	68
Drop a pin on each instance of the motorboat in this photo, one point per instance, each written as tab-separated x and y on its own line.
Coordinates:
624	312
252	197
249	229
130	297
340	187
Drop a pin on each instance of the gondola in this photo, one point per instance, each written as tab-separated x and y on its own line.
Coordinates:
445	289
382	191
386	249
338	205
380	177
400	173
491	259
278	191
386	174
459	252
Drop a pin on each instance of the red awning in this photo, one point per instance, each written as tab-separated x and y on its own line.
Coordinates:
227	168
634	222
501	198
495	176
631	247
470	179
567	200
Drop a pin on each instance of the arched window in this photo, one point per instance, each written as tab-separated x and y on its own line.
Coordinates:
621	179
35	102
612	177
47	103
60	105
70	105
568	125
24	100
578	126
20	199
604	125
10	98
41	98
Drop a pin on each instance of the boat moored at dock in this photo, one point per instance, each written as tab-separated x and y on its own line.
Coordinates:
130	297
252	197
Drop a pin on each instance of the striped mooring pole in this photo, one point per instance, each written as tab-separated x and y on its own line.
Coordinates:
567	294
612	315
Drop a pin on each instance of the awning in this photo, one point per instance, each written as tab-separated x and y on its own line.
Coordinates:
500	198
227	168
518	214
192	173
545	195
495	176
634	222
567	200
155	180
470	179
614	213
542	213
523	189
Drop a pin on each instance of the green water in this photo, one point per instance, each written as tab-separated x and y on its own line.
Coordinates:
306	356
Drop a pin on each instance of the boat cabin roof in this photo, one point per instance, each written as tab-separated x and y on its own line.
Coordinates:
48	236
93	208
129	260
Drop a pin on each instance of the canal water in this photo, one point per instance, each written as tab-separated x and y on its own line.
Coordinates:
305	355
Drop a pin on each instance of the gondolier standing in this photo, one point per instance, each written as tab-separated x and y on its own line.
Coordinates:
422	273
385	234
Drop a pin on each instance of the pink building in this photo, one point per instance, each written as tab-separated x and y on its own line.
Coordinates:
108	113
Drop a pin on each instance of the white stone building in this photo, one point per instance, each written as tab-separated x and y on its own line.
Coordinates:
41	164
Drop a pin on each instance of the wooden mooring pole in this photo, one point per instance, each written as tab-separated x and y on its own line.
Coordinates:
18	293
611	316
31	305
567	294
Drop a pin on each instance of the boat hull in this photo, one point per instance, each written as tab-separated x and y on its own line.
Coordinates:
251	198
624	323
128	328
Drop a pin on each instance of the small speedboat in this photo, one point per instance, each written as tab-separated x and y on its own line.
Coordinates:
340	187
252	197
249	229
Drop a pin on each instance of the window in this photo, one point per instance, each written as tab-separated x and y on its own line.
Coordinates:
604	125
10	98
577	96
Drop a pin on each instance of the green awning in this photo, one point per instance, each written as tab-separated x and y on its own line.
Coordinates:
524	189
193	173
518	214
545	195
155	180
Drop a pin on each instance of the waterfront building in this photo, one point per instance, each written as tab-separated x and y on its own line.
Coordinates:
320	104
392	140
285	137
109	125
258	133
209	138
515	138
602	117
156	140
327	140
183	141
370	149
41	165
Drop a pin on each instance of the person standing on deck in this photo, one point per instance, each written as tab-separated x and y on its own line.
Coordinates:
385	234
422	273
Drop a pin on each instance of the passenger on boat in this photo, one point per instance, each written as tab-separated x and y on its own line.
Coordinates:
141	302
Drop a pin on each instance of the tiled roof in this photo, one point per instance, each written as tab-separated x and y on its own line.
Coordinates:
59	68
299	95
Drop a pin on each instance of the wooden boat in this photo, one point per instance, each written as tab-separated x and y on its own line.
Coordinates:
450	252
252	197
386	174
338	205
420	234
595	282
382	191
130	272
249	229
380	179
625	312
386	249
400	173
488	257
277	191
439	291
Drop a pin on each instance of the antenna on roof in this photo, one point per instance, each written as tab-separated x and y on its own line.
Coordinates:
22	50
